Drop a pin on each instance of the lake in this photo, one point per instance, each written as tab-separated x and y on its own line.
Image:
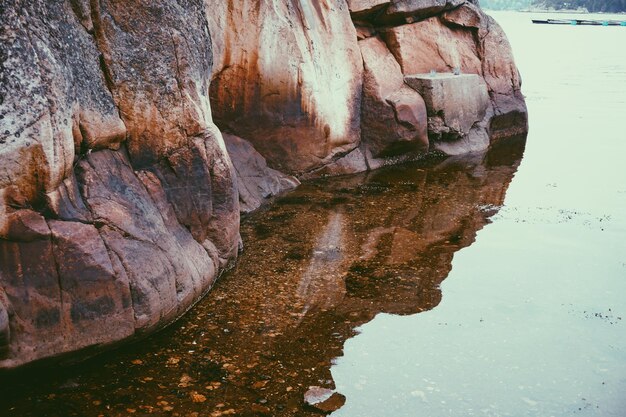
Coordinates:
533	314
485	285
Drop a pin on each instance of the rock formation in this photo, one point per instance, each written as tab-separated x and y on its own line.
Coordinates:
119	202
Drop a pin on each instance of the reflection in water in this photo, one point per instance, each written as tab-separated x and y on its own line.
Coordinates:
318	263
321	284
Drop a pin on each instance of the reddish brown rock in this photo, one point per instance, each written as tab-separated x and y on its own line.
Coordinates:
291	82
100	244
350	163
54	98
470	41
498	68
118	199
5	330
398	12
361	9
467	16
393	116
407	11
457	105
138	224
33	299
364	30
324	399
25	226
256	181
430	45
93	296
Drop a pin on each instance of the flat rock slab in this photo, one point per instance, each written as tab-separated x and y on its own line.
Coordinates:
459	100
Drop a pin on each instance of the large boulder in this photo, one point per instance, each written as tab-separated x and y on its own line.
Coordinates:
498	68
393	115
465	39
118	202
287	79
456	105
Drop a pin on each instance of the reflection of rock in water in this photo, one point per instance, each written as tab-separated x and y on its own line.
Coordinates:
321	284
319	263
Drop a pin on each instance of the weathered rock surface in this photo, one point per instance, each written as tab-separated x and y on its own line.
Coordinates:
5	331
510	116
393	116
411	10
97	244
367	8
468	40
255	180
397	12
430	45
456	104
291	82
54	100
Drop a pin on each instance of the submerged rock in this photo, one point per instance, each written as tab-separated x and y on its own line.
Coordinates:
324	399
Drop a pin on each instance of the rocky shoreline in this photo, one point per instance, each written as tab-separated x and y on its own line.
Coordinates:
120	196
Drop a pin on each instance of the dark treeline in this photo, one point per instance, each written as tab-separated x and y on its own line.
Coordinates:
610	6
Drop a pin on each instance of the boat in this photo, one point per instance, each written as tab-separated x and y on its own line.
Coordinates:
577	22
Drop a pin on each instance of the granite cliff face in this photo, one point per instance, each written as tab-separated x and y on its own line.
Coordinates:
118	199
119	203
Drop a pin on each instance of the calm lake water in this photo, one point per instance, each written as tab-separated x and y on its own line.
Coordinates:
532	320
490	285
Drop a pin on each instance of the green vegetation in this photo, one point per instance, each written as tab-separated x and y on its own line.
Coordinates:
608	6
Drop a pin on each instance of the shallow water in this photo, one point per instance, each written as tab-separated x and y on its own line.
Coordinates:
342	281
319	262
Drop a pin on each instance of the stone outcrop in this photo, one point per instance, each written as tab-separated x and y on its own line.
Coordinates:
510	116
466	39
393	115
119	201
255	180
456	105
398	12
276	84
290	83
